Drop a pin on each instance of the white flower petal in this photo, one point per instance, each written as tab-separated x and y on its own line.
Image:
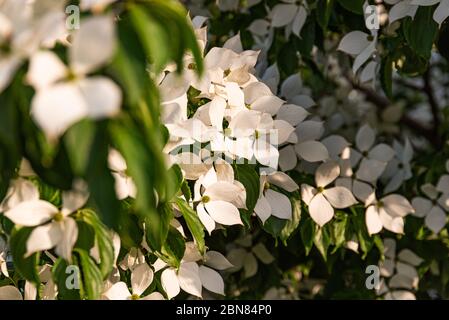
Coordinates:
307	193
31	213
441	12
154	296
211	280
354	42
393	224
299	21
205	218
291	113
436	219
283	181
64	102
397	205
287	158
268	104
223	212
370	170
45	69
141	278
283	14
281	206
320	210
119	291
312	151
326	173
335	145
339	197
372	220
189	279
10	293
422	206
69	234
263	209
250	265
217	261
408	256
93	44
44	237
103	97
381	152
265	153
365	138
170	283
216	112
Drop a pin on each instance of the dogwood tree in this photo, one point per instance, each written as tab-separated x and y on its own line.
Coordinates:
224	149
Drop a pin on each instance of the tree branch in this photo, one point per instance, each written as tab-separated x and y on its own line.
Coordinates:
382	103
428	90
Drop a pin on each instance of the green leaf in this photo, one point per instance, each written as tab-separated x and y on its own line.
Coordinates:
193	223
274	226
60	275
355	6
323	13
292	225
186	190
308	234
141	167
173	249
78	140
359	227
386	76
174	182
91	275
443	44
248	176
287	59
155	39
9	145
101	182
165	212
103	241
322	240
27	267
338	231
421	31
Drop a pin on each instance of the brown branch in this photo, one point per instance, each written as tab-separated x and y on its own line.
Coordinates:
383	102
428	90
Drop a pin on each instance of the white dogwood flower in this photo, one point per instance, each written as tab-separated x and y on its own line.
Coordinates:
400	270
290	12
362	47
23	28
272	202
219	198
247	256
322	201
54	227
141	279
398	169
388	213
190	276
430	209
373	159
67	93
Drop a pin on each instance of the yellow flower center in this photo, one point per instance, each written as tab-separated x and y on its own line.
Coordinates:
320	189
58	217
135	297
205	199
